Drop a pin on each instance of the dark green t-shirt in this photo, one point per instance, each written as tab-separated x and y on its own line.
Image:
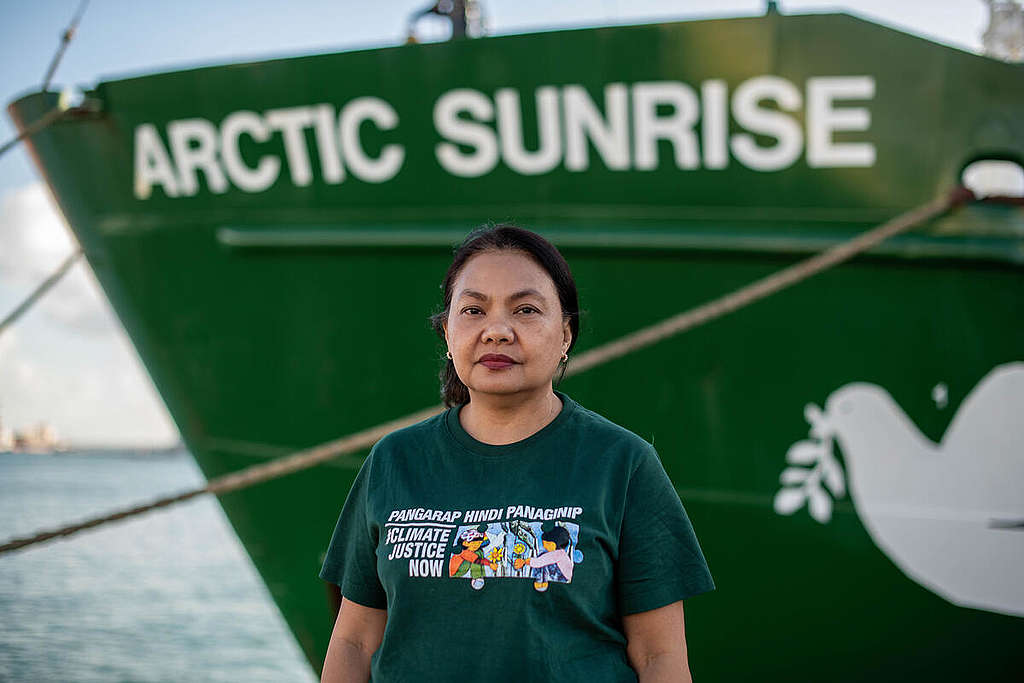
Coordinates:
516	560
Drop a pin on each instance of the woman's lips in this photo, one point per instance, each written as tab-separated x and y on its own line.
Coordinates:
496	362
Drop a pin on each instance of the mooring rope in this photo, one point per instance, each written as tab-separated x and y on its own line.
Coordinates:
44	121
43	287
647	336
65	40
55	114
243	478
768	285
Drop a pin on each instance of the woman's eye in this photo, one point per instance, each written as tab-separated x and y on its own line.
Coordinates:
528	309
471	309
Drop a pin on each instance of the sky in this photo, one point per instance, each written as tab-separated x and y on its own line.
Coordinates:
68	362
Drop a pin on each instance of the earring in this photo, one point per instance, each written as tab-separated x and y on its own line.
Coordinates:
565	357
448	354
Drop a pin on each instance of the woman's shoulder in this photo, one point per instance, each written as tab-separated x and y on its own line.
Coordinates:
412	435
606	431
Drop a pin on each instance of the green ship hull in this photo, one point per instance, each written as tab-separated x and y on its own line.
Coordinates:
272	236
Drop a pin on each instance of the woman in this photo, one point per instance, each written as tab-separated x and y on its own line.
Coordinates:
480	485
554	564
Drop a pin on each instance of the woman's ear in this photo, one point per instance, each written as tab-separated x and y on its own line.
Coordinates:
566	334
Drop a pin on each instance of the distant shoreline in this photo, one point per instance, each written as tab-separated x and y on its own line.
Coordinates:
107	451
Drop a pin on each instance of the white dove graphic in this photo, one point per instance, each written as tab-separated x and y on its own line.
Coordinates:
950	515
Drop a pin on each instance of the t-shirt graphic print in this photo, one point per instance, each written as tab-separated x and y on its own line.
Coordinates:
505	546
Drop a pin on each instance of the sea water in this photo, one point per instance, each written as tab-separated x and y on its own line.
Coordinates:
166	596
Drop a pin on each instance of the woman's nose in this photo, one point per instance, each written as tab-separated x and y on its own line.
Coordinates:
498	331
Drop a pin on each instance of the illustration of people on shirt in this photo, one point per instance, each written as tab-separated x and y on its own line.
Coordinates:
552	565
542	551
470	561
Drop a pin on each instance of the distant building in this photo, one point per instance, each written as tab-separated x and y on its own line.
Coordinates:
6	438
39	439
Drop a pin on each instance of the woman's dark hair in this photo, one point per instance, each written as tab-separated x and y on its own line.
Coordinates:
504	236
559	535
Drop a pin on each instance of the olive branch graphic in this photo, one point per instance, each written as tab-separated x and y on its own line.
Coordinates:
814	471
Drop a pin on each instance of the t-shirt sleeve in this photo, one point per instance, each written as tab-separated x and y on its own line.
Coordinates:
660	561
351	561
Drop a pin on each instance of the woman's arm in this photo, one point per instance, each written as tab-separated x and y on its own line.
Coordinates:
656	644
356	636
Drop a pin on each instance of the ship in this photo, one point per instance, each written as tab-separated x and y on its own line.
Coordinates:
272	235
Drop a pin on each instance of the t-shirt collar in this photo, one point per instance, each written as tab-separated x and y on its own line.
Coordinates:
457	432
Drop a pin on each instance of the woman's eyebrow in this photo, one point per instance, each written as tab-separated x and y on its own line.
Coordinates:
473	294
523	293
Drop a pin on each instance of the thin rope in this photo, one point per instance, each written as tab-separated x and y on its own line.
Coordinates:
43	287
42	122
61	109
65	40
602	354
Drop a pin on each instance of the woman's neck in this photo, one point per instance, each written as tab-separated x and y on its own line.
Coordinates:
503	419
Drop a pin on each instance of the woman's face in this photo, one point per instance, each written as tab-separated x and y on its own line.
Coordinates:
505	328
